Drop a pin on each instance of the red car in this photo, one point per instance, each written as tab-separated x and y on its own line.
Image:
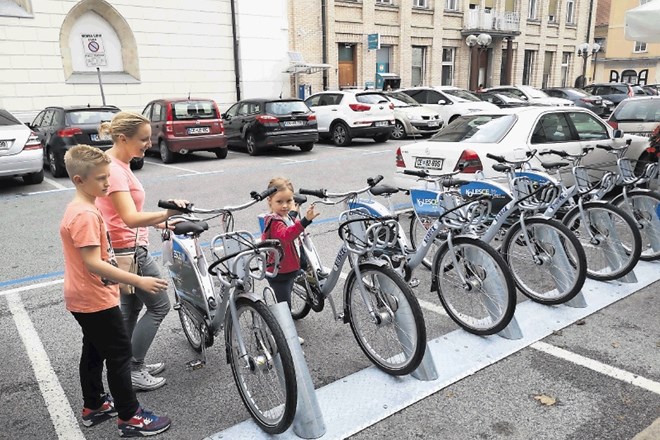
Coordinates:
181	126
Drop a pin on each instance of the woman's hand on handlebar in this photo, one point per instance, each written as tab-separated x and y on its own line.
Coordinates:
183	204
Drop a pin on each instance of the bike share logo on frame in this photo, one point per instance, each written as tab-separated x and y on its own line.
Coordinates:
340	258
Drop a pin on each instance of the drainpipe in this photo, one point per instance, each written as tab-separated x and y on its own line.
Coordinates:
591	9
324	31
234	32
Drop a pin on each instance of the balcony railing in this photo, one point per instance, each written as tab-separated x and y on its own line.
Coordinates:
477	19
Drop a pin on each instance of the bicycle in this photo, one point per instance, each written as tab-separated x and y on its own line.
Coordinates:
384	315
255	345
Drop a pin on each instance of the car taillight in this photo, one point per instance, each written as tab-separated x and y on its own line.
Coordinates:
631	93
399	159
69	132
32	142
614	124
588	100
169	120
217	113
469	162
267	119
359	107
311	118
391	106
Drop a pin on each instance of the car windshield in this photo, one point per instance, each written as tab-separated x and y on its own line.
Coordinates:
186	110
371	98
462	94
286	107
534	93
400	99
7	118
482	129
639	110
79	117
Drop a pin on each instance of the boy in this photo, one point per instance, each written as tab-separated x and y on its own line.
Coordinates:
91	294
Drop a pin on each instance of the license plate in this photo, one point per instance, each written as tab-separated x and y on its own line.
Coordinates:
428	163
381	123
434	123
5	145
293	123
645	134
198	130
100	137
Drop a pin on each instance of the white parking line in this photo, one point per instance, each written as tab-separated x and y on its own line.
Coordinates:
54	183
31	287
171	166
368	153
432	307
599	367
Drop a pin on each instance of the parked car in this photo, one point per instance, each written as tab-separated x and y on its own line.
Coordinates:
347	114
450	102
650	89
532	95
580	98
615	92
463	144
411	118
264	123
502	100
20	150
60	128
182	126
639	115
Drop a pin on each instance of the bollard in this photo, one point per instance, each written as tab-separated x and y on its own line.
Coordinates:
308	421
426	371
577	301
612	245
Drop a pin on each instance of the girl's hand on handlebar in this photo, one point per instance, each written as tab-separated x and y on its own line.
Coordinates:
151	285
311	212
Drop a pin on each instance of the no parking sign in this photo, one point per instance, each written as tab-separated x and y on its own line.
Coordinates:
94	50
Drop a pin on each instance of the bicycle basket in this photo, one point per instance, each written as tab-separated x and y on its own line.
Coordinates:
362	232
627	171
532	195
231	243
460	213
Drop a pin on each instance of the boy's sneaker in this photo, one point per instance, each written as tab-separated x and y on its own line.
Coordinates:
155	368
91	417
144	423
143	381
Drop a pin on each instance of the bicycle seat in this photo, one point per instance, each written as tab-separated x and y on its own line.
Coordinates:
379	190
500	167
188	227
554	165
299	199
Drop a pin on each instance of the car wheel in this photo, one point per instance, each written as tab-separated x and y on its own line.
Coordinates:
56	164
166	155
399	131
382	137
220	153
251	144
34	178
137	164
340	134
306	147
452	118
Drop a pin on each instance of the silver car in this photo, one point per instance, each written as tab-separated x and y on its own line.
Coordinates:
412	118
20	150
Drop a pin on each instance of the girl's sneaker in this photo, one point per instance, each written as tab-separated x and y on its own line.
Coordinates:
143	381
144	423
156	368
91	417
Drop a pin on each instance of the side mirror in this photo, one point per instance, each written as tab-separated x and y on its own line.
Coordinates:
225	116
442	102
617	134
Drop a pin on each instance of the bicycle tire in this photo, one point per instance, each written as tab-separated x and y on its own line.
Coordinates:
191	325
531	275
300	302
272	409
601	254
493	310
646	212
417	233
406	321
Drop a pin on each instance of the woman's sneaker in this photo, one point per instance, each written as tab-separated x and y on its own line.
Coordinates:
143	381
92	417
155	368
144	423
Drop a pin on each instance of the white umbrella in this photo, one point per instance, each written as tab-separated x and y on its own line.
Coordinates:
641	23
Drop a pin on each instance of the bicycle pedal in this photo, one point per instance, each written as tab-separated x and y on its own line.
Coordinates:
414	282
176	306
196	364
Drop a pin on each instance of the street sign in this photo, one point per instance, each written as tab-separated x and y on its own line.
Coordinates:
373	41
94	50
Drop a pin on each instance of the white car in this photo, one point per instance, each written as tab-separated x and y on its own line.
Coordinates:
347	114
412	118
532	95
511	133
20	150
639	115
450	102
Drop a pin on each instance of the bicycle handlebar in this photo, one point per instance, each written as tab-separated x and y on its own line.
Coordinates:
324	194
190	208
167	204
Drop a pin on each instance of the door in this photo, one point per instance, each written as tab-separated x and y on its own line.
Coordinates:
325	108
591	131
229	119
553	131
346	64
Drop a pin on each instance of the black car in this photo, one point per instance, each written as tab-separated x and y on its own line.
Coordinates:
60	128
580	98
502	100
615	92
258	124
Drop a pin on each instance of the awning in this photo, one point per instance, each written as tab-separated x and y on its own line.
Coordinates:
641	23
306	68
386	75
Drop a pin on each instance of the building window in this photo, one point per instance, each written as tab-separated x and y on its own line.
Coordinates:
421	4
384	2
552	11
418	58
565	62
570	11
547	69
629	76
527	67
640	46
531	12
451	5
448	56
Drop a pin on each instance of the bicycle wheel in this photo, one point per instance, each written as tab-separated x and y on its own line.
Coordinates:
417	233
644	206
616	245
191	325
487	304
554	251
300	306
395	339
266	377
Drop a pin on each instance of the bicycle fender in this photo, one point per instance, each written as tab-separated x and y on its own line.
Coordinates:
252	297
571	211
436	262
351	277
615	201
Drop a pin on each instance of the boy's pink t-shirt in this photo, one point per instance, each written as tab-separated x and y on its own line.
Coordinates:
86	292
122	179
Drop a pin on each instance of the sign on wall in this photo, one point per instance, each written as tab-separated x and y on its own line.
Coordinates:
373	41
94	50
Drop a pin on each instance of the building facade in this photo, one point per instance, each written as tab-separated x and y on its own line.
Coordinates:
423	42
621	60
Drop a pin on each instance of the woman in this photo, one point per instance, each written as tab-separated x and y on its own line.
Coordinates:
122	212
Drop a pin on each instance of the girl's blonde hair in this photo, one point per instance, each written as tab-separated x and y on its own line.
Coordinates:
81	159
281	184
126	123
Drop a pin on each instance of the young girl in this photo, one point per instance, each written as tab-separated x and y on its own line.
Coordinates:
278	225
